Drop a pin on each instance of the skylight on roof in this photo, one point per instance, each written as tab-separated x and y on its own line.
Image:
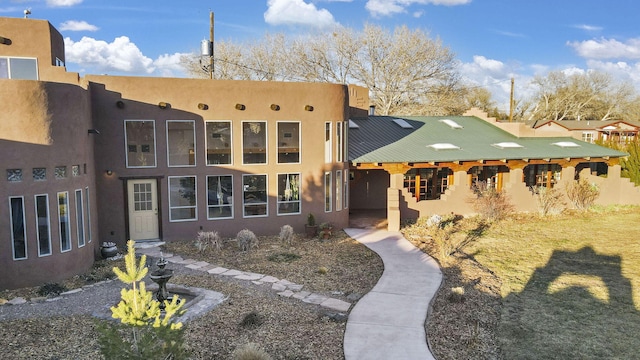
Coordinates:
566	144
507	145
402	123
353	125
452	124
444	146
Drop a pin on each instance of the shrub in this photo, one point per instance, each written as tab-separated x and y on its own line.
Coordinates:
284	257
311	220
323	270
491	205
207	239
246	240
456	294
582	194
51	289
287	235
250	351
549	200
252	320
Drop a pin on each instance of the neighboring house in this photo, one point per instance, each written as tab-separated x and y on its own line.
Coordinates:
617	131
107	158
430	165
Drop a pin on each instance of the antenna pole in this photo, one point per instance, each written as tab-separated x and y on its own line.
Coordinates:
511	102
211	44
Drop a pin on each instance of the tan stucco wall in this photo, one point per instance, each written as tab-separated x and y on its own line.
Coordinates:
45	126
141	97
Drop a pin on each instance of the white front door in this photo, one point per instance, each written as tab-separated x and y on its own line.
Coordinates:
143	209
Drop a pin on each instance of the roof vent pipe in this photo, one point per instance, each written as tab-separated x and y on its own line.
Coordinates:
372	110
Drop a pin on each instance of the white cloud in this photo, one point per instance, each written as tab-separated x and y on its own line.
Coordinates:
121	55
74	25
589	28
170	65
298	12
390	7
63	3
607	48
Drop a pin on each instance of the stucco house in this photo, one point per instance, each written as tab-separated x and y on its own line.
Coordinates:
103	158
617	131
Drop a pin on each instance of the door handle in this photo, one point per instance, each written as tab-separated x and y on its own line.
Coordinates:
155	211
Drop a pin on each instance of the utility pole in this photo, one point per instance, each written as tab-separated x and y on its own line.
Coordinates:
511	102
211	44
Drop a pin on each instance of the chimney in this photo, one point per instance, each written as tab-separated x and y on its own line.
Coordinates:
372	110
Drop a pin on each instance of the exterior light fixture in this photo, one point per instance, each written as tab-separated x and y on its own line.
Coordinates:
120	104
202	106
240	107
5	41
308	108
94	131
275	107
163	105
109	172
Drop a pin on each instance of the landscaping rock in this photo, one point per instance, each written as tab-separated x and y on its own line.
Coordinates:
17	301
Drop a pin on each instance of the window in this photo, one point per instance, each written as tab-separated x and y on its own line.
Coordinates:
327	142
254	142
14	175
140	143
288	142
60	172
328	193
219	142
288	194
182	198
39	174
87	208
63	221
588	137
80	217
43	225
338	190
345	191
219	197
181	138
339	142
18	231
18	68
254	195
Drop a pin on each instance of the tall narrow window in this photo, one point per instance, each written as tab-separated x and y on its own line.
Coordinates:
87	209
254	142
140	143
219	142
288	142
339	142
328	193
80	217
254	195
18	231
43	225
345	191
327	142
288	194
181	140
182	198
338	190
63	221
220	197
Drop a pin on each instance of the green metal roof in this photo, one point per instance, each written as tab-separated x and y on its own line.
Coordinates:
378	139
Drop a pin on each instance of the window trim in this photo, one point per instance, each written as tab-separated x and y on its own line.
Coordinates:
37	220
68	225
338	191
195	147
215	206
206	142
24	229
87	204
266	203
339	142
299	140
126	145
266	143
328	191
195	206
80	227
299	201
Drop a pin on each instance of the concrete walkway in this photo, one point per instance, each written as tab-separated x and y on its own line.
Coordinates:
388	322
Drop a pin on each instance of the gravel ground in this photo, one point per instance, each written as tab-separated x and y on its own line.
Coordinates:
287	328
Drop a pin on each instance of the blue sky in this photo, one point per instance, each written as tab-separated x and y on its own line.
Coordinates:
494	40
